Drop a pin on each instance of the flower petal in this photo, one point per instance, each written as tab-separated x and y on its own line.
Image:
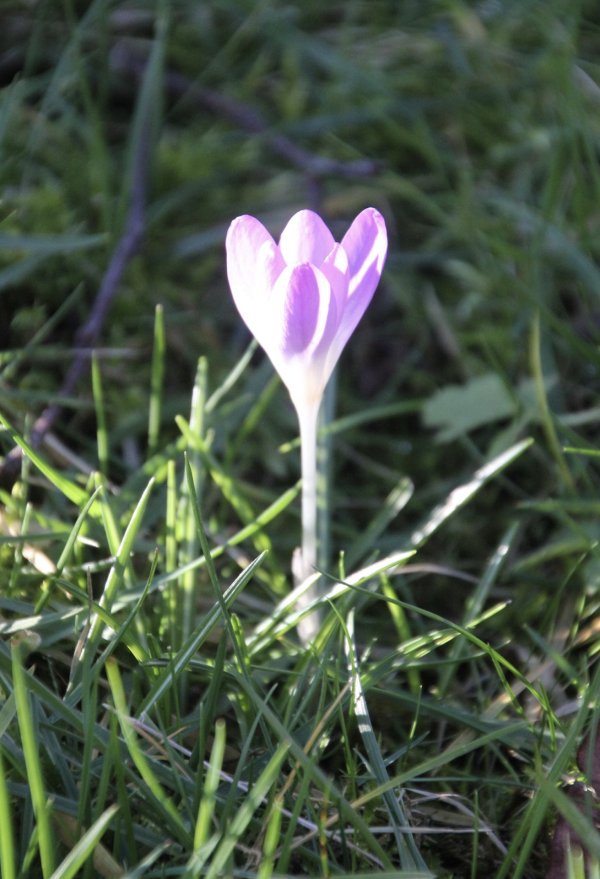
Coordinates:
365	244
302	324
336	270
300	298
306	238
245	238
269	265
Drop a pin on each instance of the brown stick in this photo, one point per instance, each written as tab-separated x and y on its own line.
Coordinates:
89	334
125	59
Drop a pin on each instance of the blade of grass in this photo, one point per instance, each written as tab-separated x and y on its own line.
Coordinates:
66	553
211	783
461	495
137	755
266	780
169	676
118	569
7	846
102	436
82	850
542	401
156	381
20	646
410	857
189	579
69	489
238	370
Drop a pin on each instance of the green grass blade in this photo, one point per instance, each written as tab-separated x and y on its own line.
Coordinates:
461	495
248	531
211	783
102	436
118	569
542	401
410	857
267	779
19	649
197	428
66	553
397	499
285	616
8	866
82	850
49	245
217	395
69	489
171	674
137	755
156	381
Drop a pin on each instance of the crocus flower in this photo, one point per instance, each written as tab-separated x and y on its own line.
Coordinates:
302	299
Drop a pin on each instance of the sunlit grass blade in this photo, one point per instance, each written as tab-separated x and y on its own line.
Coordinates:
211	783
542	401
268	515
20	647
189	542
410	857
8	864
226	484
179	662
285	615
82	849
102	435
237	371
72	491
156	381
66	553
139	758
461	495
170	594
392	505
266	780
118	569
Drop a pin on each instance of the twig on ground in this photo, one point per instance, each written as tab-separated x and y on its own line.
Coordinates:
128	60
88	335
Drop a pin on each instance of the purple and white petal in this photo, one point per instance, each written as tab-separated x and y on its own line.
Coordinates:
365	244
306	238
302	324
245	238
269	265
336	270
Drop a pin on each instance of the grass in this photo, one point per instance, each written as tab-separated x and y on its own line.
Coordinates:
159	716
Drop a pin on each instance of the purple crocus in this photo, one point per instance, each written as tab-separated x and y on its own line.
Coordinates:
302	299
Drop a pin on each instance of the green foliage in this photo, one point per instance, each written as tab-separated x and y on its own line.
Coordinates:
158	715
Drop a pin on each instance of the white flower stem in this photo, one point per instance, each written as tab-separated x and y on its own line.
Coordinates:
308	419
308	438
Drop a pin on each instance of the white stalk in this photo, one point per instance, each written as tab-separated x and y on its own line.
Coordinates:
308	419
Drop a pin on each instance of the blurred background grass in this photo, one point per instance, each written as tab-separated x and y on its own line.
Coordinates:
482	121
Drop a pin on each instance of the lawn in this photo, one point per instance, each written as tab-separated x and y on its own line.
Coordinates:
161	714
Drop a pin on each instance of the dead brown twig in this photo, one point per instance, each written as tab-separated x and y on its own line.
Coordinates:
130	60
89	334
